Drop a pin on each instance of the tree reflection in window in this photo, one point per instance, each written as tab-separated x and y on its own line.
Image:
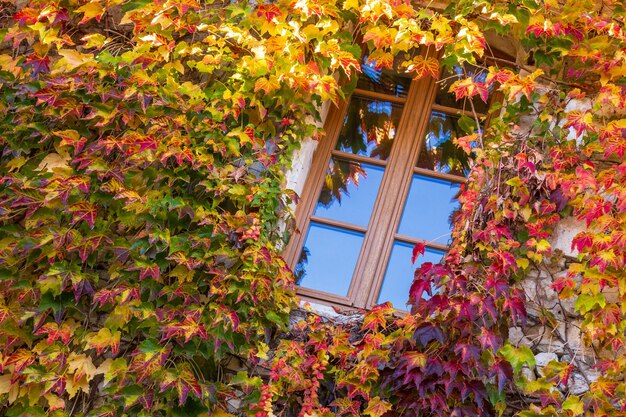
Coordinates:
369	127
338	177
299	271
439	153
382	80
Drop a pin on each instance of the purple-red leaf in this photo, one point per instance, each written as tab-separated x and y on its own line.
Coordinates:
418	250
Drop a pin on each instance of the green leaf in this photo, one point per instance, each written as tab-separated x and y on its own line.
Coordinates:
587	302
275	318
467	124
573	404
518	356
135	4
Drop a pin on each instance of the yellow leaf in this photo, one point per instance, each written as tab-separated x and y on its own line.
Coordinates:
53	161
81	365
16	163
522	263
267	85
5	384
13	393
112	369
71	60
421	66
262	351
83	371
543	246
54	402
104	339
504	19
90	11
377	407
218	412
176	65
573	404
351	5
94	40
7	63
526	212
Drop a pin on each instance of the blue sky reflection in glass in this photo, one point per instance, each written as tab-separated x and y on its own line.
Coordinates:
349	192
400	271
428	208
328	258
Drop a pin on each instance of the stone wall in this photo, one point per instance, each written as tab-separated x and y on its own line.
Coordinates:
553	331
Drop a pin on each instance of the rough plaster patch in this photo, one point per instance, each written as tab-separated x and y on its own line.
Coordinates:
301	163
564	233
303	157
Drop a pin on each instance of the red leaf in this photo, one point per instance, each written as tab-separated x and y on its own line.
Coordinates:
376	317
184	382
500	285
268	11
147	270
468	87
503	373
561	283
379	36
418	288
418	250
468	351
413	360
489	340
541	28
38	63
26	16
516	306
54	332
565	373
146	142
234	319
187	329
581	241
84	211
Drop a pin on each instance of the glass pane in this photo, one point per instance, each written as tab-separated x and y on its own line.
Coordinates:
369	127
448	77
399	274
349	191
383	80
328	259
428	208
439	153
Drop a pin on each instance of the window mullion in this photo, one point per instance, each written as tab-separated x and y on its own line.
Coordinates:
393	191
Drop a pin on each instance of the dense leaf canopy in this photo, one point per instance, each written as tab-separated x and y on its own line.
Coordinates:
142	207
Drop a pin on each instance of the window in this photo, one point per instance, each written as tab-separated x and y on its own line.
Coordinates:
384	178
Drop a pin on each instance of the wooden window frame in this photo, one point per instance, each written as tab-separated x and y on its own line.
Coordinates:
400	167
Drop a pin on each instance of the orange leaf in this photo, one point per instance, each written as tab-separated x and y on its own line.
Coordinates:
421	66
579	121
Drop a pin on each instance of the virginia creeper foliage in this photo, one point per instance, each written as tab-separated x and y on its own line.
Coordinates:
142	208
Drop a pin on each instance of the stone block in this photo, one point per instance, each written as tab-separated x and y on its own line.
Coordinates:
543	358
564	233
